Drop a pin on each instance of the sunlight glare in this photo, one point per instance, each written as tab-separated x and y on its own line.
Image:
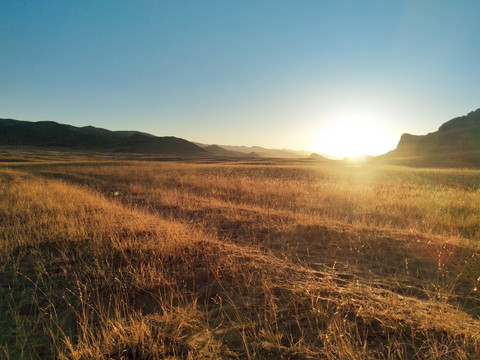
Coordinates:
354	135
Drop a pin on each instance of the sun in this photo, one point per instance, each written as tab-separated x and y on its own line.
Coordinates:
354	136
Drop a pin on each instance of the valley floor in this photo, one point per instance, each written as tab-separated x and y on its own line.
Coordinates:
119	259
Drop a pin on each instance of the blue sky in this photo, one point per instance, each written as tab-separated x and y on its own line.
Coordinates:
279	73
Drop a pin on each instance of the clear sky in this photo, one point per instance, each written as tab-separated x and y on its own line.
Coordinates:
295	74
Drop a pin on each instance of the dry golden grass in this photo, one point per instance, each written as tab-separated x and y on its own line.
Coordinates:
153	260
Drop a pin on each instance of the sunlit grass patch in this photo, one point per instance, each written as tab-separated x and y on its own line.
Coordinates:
238	261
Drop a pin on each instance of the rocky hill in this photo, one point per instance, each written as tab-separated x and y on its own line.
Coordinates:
455	144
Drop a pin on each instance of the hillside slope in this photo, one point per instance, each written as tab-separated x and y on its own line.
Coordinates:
54	135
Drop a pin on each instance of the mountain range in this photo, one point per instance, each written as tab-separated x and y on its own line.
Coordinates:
52	135
257	151
456	143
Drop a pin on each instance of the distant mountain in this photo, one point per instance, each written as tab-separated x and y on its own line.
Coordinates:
455	144
54	135
220	151
258	151
269	153
317	157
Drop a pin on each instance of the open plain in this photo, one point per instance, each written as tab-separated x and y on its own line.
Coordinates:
199	259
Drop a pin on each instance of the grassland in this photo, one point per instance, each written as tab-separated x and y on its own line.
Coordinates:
117	259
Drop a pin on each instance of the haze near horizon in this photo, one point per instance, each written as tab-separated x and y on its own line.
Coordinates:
340	78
